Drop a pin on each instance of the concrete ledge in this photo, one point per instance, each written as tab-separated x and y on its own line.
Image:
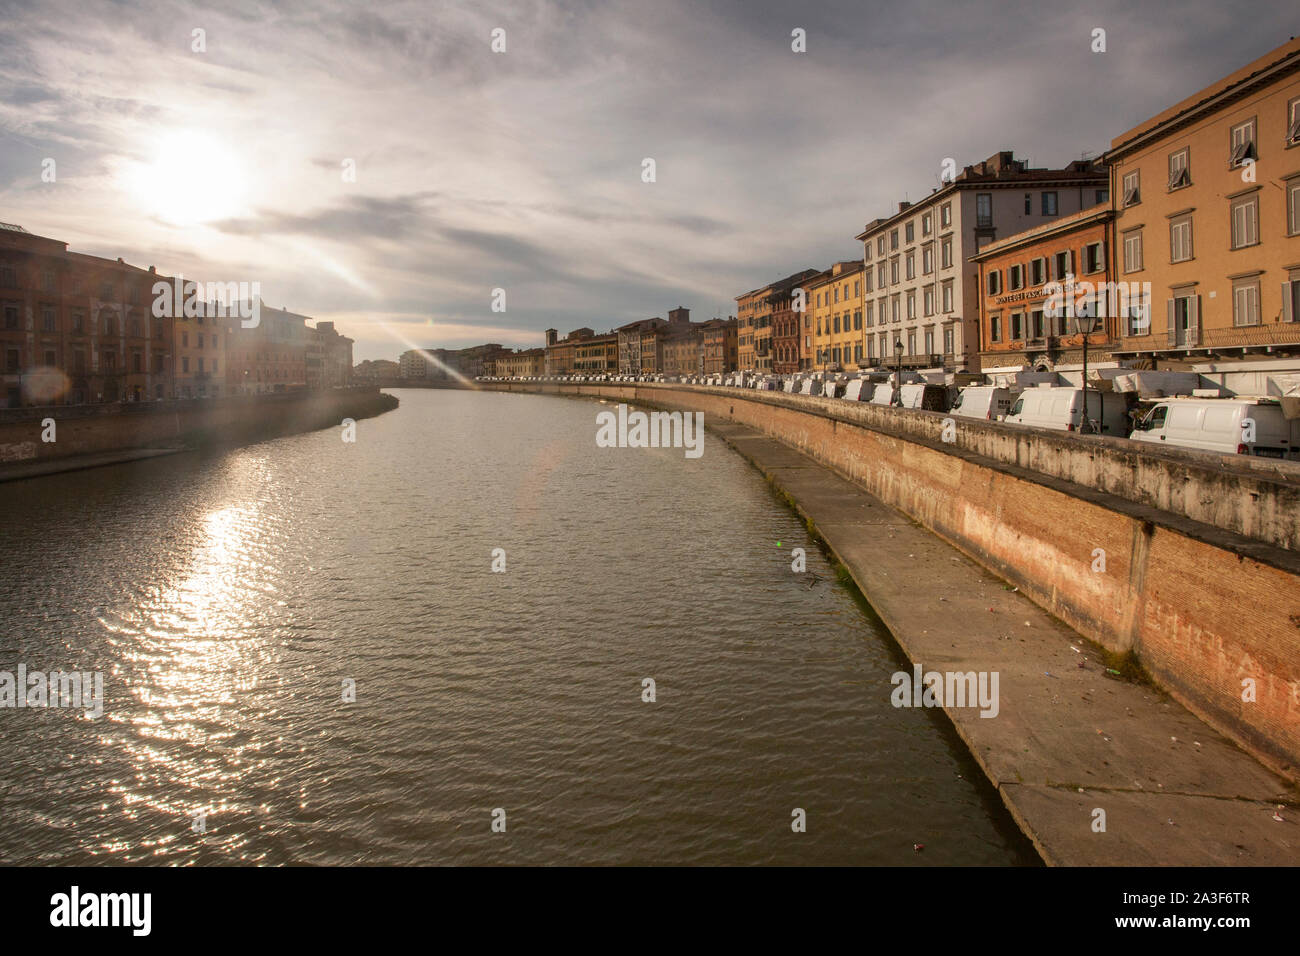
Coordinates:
1068	738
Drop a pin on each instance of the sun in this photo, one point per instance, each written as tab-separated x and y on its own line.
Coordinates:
193	178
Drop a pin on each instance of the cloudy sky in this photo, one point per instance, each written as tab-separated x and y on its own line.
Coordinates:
522	170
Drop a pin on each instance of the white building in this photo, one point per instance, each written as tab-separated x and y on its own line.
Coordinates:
920	288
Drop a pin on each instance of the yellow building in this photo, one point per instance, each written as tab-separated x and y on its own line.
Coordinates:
1206	198
833	320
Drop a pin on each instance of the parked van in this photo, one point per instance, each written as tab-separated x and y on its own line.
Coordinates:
989	402
858	390
1062	409
883	395
1230	426
928	396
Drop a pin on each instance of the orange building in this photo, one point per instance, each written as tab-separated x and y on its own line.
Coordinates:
1207	211
1039	287
270	357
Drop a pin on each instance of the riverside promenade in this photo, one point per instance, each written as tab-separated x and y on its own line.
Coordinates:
1069	738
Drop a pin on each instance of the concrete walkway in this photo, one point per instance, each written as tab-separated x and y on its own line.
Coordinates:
1069	738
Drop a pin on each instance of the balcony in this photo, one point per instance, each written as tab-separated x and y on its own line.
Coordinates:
1251	336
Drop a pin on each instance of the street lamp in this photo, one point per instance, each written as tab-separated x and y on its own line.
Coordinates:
898	384
1086	323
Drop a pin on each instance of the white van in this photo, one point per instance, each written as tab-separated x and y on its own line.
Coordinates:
1230	426
989	402
1062	409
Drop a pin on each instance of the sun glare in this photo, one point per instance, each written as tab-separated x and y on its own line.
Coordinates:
194	177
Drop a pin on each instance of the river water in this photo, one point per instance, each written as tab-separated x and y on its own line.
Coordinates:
227	597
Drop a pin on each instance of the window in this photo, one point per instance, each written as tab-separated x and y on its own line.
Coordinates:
911	265
871	313
911	342
1102	195
983	210
995	327
1180	239
945	215
185	339
1029	204
1242	145
929	300
11	316
1062	264
1293	122
1132	189
1092	257
1133	251
993	280
1180	173
1049	204
857	320
78	322
894	308
185	363
893	239
947	296
50	360
1245	222
1291	298
893	271
1017	326
1015	277
929	341
945	253
881	275
1036	324
8	277
911	304
1245	302
925	224
948	339
866	251
880	246
47	318
1037	271
927	260
871	349
910	231
837	293
47	280
1184	321
857	294
867	277
1293	207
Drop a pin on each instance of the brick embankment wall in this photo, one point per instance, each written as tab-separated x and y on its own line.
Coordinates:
94	429
1077	524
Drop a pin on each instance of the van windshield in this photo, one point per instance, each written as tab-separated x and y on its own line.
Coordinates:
1156	417
956	402
1020	404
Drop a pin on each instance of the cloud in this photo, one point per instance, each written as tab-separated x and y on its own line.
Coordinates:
477	170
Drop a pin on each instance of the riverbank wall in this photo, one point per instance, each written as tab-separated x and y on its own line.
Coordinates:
1188	561
79	431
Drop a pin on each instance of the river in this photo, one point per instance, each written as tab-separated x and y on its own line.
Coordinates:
232	599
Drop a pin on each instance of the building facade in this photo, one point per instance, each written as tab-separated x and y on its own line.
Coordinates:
787	302
1044	288
76	328
833	322
1207	216
522	363
271	356
920	287
719	346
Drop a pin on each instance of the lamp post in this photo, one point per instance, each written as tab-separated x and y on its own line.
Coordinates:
898	383
1086	323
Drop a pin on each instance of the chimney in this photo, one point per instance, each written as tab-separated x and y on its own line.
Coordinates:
904	206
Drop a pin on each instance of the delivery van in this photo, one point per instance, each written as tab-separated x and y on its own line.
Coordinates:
1229	426
1062	409
990	402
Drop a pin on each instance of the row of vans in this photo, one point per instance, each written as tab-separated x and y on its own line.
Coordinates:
1240	425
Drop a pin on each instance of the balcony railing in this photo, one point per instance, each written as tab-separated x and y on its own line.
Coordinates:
1246	336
